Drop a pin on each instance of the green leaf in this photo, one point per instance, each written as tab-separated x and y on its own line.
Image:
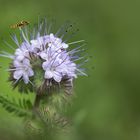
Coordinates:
21	109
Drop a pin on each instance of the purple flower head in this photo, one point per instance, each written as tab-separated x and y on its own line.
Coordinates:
22	70
43	60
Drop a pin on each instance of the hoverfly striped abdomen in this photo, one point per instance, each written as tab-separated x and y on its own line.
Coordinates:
20	24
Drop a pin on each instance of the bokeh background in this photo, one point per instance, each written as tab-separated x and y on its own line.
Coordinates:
107	103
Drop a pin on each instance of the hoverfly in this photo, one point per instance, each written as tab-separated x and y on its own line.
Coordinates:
20	24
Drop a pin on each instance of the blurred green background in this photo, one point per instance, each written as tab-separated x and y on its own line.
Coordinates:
107	103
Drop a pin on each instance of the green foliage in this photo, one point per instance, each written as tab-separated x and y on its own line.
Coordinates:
21	108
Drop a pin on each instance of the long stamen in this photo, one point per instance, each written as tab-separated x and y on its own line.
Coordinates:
80	58
78	47
6	53
14	69
10	46
18	80
62	62
14	38
7	56
81	72
31	83
23	35
54	59
45	26
75	42
49	27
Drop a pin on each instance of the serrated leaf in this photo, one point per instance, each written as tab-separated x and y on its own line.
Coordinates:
21	109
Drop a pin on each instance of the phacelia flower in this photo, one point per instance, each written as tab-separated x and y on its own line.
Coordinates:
43	62
22	70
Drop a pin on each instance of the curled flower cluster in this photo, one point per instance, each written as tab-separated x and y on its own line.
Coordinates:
44	58
52	51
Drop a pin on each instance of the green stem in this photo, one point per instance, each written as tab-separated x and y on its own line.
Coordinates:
37	101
